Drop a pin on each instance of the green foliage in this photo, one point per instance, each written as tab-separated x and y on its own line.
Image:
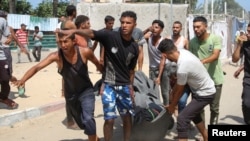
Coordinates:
45	9
4	5
22	6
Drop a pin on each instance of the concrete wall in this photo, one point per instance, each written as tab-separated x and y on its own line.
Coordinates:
146	13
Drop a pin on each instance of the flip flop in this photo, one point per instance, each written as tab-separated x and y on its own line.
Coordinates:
10	103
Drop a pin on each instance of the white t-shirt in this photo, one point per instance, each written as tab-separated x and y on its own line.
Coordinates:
191	71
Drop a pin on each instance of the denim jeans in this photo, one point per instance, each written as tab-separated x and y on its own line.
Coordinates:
183	100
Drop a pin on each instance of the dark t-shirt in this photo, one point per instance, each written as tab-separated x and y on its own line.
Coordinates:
246	51
120	56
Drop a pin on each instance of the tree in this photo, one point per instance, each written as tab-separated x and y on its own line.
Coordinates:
12	6
22	8
45	9
55	4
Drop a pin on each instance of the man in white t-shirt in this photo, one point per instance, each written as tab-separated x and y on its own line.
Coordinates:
190	71
37	37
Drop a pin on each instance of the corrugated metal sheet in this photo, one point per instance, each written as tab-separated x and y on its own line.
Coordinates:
44	24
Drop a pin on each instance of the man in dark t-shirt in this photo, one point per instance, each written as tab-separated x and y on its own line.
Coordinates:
243	48
121	53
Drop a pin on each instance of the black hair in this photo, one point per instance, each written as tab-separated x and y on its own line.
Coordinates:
178	22
167	46
200	19
159	22
36	27
108	18
80	19
60	34
70	10
3	13
248	25
131	14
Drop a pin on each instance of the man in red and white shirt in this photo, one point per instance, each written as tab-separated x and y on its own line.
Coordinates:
22	36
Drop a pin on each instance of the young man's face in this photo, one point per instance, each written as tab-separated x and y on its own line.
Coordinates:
156	29
176	29
109	25
23	27
86	25
36	30
127	25
66	44
200	28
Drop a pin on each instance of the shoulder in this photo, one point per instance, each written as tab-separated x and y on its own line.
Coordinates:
193	40
214	36
54	56
85	52
169	37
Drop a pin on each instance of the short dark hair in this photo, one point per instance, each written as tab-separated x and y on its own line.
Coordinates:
248	25
36	27
108	18
131	14
80	19
178	22
167	46
200	19
70	9
3	13
159	22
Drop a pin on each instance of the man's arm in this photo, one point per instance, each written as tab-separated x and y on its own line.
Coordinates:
216	51
140	57
176	93
237	72
94	45
40	36
215	56
236	54
161	67
32	71
82	32
186	44
88	53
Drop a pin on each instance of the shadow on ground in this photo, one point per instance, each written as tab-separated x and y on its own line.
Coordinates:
240	120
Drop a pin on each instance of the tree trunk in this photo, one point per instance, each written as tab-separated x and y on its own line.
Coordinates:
12	6
55	3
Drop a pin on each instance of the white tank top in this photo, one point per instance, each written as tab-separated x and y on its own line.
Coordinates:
180	44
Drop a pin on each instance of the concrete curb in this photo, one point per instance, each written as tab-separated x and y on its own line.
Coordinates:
17	116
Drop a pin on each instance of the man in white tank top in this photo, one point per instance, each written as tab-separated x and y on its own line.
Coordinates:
157	73
180	41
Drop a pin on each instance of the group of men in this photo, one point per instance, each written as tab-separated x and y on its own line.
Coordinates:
198	71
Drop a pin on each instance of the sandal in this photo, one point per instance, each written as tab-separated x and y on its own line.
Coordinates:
10	103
